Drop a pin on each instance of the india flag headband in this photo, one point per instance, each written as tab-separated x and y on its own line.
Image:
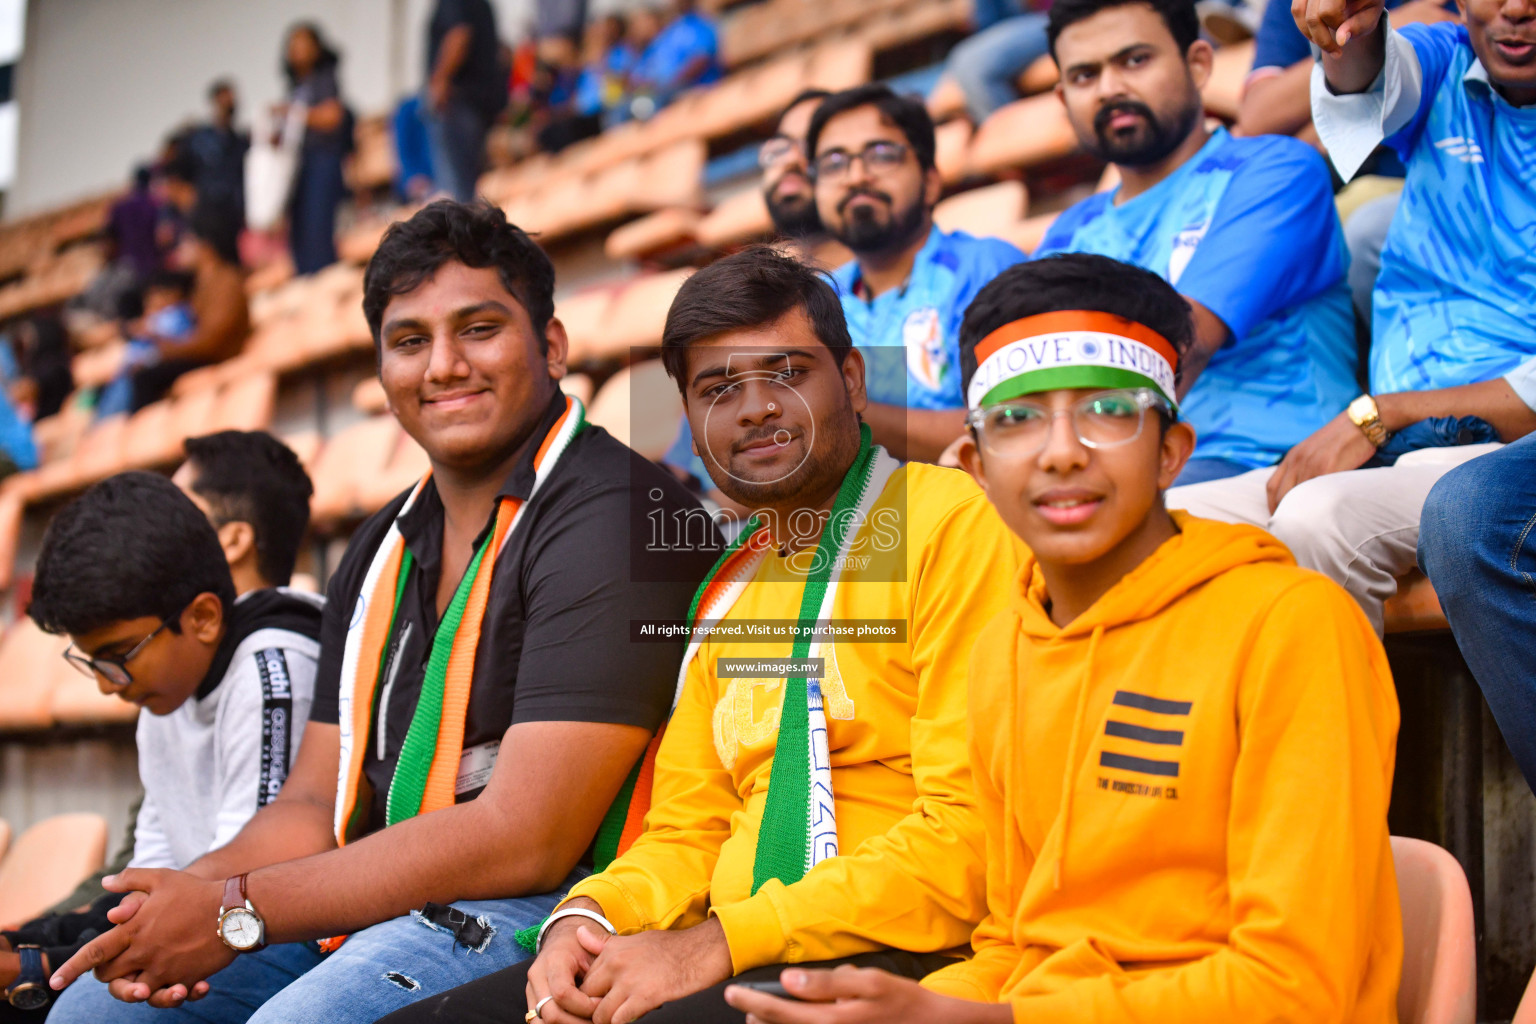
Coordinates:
1071	348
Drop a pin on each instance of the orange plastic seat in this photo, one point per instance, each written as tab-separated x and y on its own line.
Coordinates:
1039	76
577	385
583	316
245	403
368	397
638	314
983	211
151	438
348	458
404	466
654	233
306	445
13	507
29	659
1025	133
1028	233
1223	92
951	141
840	64
100	453
47	861
741	217
1415	608
640	406
1439	983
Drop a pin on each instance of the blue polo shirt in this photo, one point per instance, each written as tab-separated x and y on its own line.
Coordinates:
1455	299
1247	228
910	336
685	39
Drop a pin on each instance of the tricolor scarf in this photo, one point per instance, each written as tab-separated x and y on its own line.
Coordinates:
799	826
428	765
1071	348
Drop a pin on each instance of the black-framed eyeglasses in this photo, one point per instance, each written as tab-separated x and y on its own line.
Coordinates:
114	667
881	155
777	150
1021	428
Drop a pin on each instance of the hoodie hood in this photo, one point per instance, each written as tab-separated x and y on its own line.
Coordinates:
1202	550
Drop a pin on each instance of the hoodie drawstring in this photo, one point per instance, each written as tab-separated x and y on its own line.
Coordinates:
1069	777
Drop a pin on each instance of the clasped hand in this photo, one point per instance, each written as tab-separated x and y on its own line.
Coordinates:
592	976
164	944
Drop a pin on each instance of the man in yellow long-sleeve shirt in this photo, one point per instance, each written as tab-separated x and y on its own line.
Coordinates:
793	820
1182	743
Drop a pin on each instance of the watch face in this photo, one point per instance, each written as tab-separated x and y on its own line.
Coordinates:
241	929
31	996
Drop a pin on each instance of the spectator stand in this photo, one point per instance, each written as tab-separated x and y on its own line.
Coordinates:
626	216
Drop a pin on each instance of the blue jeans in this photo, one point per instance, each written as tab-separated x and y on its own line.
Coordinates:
1199	470
987	66
1477	544
376	972
457	139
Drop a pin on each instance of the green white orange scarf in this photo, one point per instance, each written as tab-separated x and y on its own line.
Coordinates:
428	765
799	826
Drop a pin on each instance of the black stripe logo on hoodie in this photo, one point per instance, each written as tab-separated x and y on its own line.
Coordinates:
1161	737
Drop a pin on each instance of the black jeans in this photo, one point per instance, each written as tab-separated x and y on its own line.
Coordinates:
500	997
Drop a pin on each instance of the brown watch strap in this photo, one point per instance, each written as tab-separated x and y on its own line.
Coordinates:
234	893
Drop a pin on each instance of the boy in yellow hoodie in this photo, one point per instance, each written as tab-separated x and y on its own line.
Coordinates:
1182	744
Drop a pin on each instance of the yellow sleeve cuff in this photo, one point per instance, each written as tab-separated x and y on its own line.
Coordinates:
754	932
618	908
953	981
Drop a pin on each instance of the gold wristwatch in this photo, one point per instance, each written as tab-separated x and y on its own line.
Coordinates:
1363	413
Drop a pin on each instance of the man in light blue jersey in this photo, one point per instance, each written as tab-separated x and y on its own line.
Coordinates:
1455	300
906	291
1245	229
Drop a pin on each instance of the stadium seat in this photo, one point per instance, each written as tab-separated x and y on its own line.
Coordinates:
358	453
640	406
652	234
13	506
1223	92
151	438
917	21
100	453
951	140
983	211
839	64
741	217
1439	984
1415	608
245	403
368	397
1040	76
1028	233
405	465
637	315
306	445
1025	133
47	861
577	385
29	660
584	315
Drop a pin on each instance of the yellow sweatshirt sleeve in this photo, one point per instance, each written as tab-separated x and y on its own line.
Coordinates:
983	976
919	886
1317	719
663	880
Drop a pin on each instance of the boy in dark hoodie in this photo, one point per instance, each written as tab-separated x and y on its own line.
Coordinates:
1198	830
134	573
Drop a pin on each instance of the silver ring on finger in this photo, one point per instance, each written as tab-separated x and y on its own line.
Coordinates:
538	1007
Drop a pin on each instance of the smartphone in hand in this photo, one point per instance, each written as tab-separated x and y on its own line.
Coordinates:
769	988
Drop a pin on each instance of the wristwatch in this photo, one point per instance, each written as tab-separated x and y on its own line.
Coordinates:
240	927
30	989
1363	413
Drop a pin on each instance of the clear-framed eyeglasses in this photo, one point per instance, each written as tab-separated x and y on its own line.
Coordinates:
1021	427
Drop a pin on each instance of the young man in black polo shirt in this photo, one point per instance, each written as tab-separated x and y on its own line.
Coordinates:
475	661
